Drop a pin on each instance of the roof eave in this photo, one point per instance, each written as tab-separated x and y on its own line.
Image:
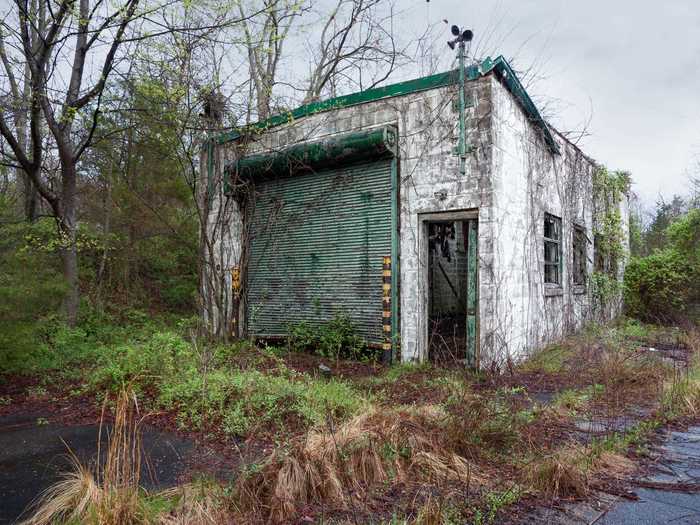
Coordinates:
499	65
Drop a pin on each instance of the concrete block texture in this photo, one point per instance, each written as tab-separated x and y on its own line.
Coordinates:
512	179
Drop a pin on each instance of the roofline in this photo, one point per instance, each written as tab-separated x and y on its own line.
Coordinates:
510	79
448	78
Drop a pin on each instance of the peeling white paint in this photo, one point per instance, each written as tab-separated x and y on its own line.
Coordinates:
512	179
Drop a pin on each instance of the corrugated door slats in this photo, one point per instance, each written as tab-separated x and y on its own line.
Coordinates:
316	247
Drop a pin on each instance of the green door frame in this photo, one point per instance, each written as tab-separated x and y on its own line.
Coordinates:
472	291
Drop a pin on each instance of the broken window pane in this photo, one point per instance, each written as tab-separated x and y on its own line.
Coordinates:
552	249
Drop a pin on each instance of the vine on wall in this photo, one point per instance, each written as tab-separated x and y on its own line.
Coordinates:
609	187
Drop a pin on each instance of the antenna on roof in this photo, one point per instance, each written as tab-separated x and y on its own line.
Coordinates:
461	37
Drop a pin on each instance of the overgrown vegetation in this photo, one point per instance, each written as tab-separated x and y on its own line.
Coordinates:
462	446
609	188
665	285
110	493
335	339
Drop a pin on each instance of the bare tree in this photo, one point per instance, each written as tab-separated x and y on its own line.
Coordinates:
16	101
351	43
265	36
52	40
354	38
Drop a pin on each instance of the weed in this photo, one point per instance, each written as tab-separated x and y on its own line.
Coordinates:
480	424
334	339
495	502
635	329
399	370
563	473
336	463
550	360
36	391
572	400
240	399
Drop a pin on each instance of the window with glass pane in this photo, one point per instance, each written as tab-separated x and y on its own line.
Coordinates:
579	253
552	249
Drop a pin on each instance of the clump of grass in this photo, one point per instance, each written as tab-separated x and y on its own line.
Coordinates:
239	401
681	393
560	474
550	360
619	370
613	464
482	424
337	465
437	511
200	503
109	495
567	472
573	400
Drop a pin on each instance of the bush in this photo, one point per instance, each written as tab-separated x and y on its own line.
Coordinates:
239	399
334	339
153	362
665	286
658	288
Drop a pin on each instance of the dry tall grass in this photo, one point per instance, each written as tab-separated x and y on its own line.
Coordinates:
563	473
337	465
197	504
108	495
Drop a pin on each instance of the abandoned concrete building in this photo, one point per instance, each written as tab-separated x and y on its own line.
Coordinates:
440	229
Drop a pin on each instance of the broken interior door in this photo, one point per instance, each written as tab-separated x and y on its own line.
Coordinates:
452	282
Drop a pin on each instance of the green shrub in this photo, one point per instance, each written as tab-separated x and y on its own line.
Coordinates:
239	399
153	362
657	288
334	339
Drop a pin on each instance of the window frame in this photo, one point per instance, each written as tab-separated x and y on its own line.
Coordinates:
578	235
557	242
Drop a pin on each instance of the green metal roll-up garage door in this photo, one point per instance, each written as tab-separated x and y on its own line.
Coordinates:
316	245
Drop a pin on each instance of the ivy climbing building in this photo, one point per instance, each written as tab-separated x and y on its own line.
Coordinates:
374	207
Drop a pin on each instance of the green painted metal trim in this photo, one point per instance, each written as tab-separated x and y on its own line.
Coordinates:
510	79
472	292
447	78
394	90
395	268
325	153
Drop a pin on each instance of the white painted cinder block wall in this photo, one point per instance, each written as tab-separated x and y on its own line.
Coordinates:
511	179
530	181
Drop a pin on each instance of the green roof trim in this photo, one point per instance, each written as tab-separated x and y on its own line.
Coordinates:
510	79
500	65
361	97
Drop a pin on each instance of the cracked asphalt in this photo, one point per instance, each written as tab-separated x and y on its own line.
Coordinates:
33	455
678	465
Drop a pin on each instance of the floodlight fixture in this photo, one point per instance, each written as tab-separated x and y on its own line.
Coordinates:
455	30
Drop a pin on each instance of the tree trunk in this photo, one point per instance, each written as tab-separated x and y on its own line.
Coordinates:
30	196
68	228
71	301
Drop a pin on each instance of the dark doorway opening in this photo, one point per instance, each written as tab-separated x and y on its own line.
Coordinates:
451	285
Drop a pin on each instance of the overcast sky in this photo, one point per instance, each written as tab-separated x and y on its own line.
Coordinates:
633	65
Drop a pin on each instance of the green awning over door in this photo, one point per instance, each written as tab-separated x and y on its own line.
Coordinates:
316	248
